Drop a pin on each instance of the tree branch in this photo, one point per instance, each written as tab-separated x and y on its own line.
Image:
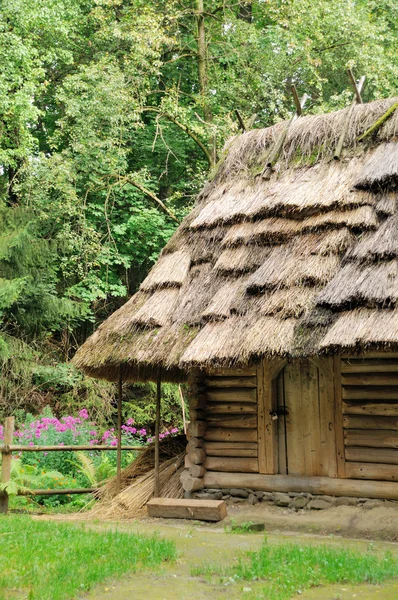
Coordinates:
184	128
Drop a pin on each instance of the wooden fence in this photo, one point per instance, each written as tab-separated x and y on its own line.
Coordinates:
8	448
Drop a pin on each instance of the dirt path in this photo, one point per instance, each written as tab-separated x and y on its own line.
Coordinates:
199	544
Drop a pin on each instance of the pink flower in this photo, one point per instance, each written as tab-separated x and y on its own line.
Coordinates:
83	414
30	444
174	430
114	442
129	421
93	433
133	430
142	432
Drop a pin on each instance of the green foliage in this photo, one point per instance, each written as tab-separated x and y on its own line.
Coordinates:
104	115
58	561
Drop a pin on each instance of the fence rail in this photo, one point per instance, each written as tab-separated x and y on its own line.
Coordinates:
8	448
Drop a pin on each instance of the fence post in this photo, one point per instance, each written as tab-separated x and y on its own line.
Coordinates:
6	462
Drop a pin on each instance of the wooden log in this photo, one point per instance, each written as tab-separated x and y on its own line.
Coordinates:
238	421
199	402
314	485
365	422
232	395
20	448
374	471
189	483
195	442
231	465
6	460
197	428
197	414
338	418
370	393
386	379
177	508
371	438
231	382
197	471
58	492
234	372
371	408
196	456
231	449
372	455
187	462
227	408
369	366
218	434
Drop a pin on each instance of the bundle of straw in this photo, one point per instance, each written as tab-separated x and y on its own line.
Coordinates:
169	448
131	501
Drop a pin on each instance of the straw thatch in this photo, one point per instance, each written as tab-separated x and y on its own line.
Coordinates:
301	263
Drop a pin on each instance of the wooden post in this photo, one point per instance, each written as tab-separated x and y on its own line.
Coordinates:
156	490
6	462
183	409
119	433
358	89
267	372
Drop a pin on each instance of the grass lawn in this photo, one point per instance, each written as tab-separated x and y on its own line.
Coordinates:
289	569
42	560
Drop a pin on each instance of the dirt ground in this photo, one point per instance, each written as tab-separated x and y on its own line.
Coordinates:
198	543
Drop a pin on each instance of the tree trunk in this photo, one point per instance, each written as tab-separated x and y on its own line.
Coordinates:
203	74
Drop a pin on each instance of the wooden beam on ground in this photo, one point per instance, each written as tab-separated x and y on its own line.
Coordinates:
175	508
314	485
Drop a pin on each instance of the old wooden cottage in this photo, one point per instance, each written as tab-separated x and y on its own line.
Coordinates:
276	300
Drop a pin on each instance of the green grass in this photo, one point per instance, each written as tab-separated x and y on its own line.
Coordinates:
43	560
289	569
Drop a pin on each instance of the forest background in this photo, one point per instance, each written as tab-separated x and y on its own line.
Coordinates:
112	115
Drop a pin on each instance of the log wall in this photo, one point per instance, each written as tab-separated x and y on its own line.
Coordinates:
370	416
231	438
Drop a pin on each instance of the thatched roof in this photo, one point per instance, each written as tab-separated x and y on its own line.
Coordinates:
302	263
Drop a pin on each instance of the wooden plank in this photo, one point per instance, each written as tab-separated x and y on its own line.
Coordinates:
228	408
315	485
371	438
281	424
327	455
374	471
231	449
385	379
231	464
370	393
372	455
176	508
231	395
267	426
364	422
233	421
338	418
369	366
371	355
219	434
371	408
232	372
312	424
231	382
294	419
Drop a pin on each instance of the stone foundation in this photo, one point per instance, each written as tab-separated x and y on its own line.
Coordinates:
291	500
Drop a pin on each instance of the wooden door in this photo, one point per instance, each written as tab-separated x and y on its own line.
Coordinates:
303	413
